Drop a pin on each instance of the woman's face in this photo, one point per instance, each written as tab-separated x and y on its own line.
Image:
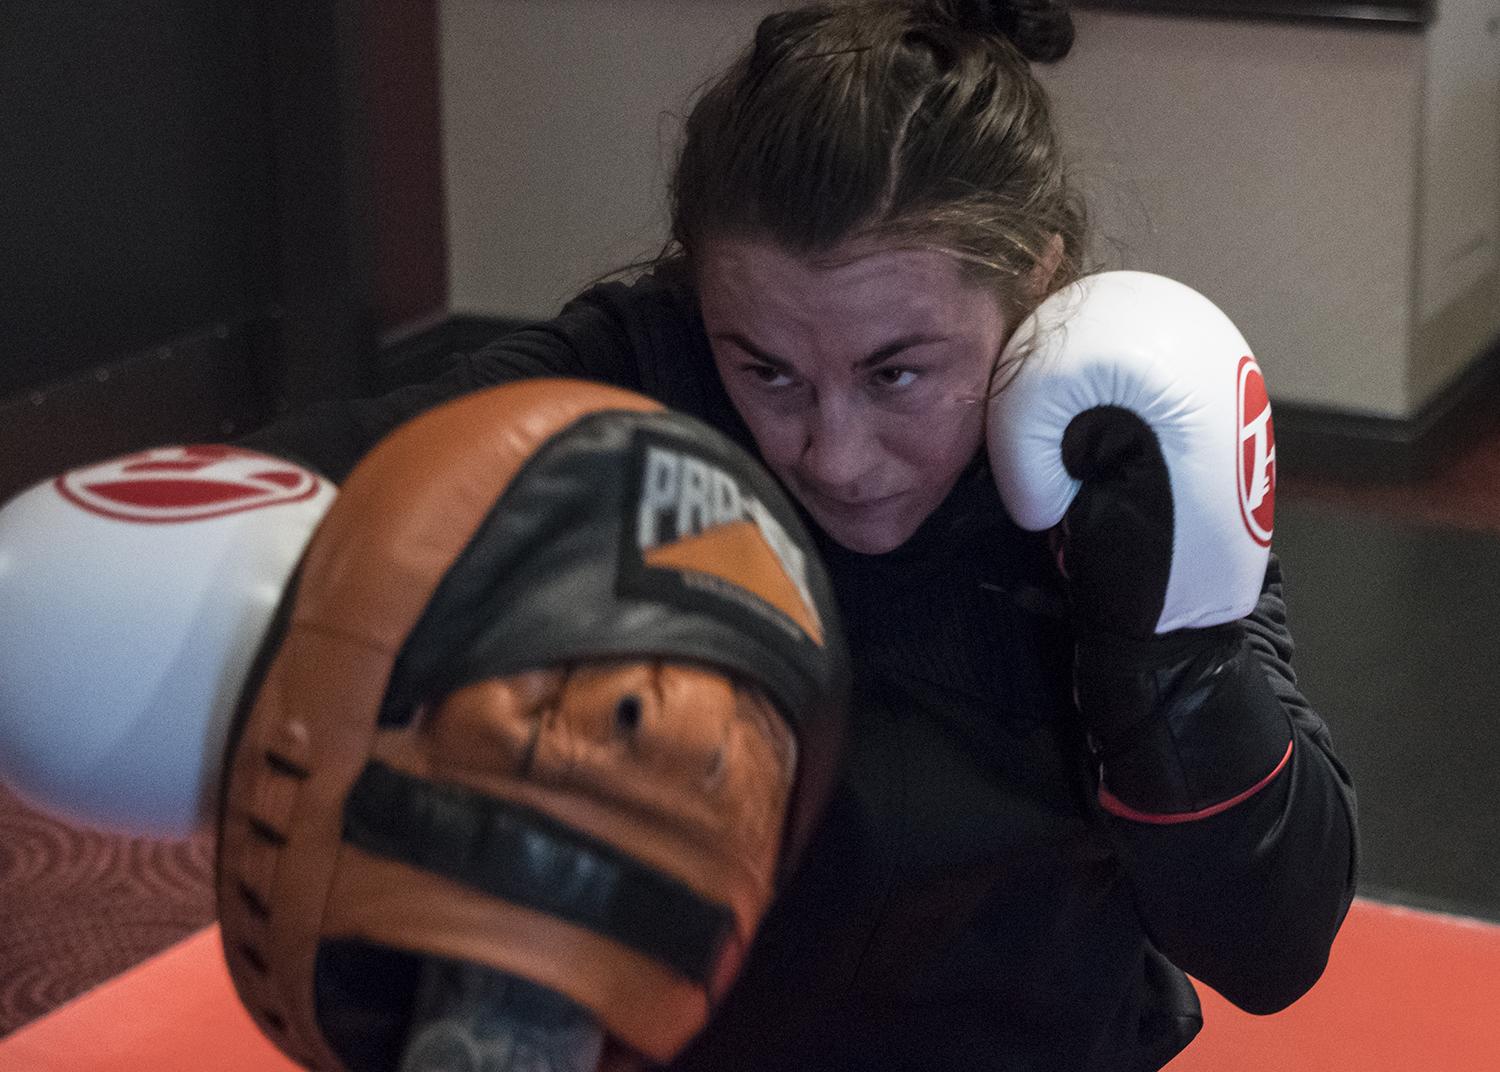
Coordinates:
861	376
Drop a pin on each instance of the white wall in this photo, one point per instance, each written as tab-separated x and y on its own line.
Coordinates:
1275	166
1459	209
559	130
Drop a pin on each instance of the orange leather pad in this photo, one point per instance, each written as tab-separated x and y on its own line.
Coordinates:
368	573
693	783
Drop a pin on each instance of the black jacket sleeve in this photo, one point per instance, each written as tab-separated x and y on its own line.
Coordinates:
1248	899
645	337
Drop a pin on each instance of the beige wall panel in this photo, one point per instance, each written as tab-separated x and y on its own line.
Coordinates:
1458	250
559	124
1272	166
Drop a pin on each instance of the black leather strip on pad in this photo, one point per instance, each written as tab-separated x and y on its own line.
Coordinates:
529	859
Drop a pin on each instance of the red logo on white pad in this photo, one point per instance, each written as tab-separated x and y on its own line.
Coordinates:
177	484
1257	453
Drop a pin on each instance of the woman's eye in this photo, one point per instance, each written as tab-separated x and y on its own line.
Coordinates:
895	377
769	375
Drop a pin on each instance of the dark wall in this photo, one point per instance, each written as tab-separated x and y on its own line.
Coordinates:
211	211
1413	14
406	159
138	202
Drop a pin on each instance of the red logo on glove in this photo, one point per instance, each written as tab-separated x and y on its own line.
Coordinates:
1257	453
174	484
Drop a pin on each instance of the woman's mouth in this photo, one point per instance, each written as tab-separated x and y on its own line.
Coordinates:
847	505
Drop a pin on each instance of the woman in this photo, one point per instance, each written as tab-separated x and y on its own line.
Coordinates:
866	205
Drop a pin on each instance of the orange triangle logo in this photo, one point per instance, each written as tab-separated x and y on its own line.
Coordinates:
737	553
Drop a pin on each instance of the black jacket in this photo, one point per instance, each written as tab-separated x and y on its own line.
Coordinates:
966	903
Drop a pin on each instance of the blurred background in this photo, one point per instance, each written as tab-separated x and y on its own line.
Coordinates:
216	211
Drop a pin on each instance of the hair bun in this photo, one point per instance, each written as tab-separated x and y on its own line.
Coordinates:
1042	30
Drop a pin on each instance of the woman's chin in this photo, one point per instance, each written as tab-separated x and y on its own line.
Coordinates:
873	536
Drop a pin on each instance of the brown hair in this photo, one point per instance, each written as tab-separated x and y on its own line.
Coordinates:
911	123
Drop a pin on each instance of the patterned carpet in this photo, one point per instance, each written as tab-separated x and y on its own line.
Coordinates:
77	908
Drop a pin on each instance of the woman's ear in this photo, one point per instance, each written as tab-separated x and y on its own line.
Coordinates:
1045	270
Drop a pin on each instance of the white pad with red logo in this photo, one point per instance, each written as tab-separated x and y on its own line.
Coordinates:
1166	353
134	595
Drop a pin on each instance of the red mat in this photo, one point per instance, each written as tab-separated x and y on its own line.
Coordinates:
177	1012
1404	990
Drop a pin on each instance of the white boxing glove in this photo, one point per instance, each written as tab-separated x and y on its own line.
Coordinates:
1100	370
1135	425
134	595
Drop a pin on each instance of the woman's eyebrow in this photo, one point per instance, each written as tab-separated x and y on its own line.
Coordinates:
891	349
885	353
751	349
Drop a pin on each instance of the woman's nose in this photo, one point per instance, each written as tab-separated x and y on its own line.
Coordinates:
839	450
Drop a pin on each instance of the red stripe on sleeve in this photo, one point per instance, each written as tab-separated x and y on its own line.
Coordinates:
1115	806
